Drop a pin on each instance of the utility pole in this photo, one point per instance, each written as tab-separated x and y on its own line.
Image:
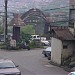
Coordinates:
5	28
49	30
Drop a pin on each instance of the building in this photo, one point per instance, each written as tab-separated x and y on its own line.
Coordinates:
63	40
62	45
16	22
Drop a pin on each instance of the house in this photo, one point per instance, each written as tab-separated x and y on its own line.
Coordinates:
63	40
63	45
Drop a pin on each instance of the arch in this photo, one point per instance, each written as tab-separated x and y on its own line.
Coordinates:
31	17
35	12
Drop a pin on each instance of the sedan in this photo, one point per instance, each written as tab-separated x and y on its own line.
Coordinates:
47	52
7	67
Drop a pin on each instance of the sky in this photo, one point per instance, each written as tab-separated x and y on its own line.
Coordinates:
17	5
23	4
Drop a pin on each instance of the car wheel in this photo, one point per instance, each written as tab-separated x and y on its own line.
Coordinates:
20	74
28	48
45	55
49	58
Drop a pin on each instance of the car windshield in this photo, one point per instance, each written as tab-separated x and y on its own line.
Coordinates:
7	65
48	49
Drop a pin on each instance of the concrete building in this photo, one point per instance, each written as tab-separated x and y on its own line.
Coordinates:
62	46
63	40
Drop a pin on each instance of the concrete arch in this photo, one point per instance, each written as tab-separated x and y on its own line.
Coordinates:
38	13
35	12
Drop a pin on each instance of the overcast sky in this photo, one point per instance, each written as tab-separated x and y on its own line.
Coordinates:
24	3
28	4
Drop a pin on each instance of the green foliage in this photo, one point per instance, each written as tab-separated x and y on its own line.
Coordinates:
1	30
2	46
13	48
8	47
26	32
28	29
25	37
35	44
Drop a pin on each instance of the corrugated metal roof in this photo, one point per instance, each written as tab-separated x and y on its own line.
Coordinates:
64	34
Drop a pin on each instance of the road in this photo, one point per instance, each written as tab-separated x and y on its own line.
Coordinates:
32	62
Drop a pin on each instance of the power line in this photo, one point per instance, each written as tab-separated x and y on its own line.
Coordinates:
46	9
56	8
24	7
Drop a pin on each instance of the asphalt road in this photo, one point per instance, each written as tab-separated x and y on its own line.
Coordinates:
32	62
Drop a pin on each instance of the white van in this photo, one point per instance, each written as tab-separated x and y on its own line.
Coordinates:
35	37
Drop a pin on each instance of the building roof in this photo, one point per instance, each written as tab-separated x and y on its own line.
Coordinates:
16	21
59	27
64	34
72	2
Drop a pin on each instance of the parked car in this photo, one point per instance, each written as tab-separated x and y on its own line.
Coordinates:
47	52
72	73
45	43
7	67
35	37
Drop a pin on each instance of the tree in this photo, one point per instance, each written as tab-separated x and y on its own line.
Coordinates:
25	37
26	32
1	30
28	29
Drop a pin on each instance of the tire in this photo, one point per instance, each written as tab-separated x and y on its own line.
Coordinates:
45	55
49	57
20	74
28	48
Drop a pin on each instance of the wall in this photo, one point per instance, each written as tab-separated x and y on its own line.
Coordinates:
69	51
58	52
71	30
56	45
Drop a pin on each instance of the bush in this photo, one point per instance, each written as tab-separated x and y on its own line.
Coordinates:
13	48
35	44
8	47
2	46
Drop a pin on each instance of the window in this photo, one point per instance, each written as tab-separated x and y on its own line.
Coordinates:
34	36
38	36
65	47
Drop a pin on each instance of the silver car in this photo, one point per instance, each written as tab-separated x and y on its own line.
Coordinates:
7	67
47	52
